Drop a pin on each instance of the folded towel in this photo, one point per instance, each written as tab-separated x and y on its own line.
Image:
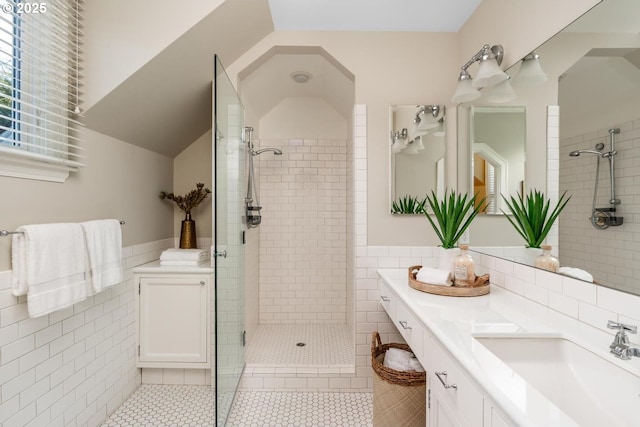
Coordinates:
175	254
401	360
48	262
182	263
434	276
104	250
576	273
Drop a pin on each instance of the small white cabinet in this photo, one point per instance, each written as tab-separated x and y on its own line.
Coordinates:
172	313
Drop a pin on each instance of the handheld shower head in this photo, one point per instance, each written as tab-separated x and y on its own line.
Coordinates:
576	153
275	151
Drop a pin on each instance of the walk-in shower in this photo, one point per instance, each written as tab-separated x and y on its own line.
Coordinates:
602	218
252	201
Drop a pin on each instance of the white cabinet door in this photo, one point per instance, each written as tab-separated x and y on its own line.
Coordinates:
173	321
439	413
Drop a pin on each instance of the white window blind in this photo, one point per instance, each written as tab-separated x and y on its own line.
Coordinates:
40	88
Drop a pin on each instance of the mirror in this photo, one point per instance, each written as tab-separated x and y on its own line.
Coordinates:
417	145
593	67
497	137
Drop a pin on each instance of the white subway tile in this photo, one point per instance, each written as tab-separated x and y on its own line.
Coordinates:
579	290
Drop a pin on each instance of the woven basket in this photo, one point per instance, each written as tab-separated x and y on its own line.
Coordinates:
399	397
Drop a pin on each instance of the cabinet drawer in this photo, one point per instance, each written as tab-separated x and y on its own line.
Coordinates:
388	300
412	331
444	375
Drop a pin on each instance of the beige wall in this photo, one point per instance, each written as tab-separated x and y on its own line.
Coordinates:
191	166
119	181
302	118
124	35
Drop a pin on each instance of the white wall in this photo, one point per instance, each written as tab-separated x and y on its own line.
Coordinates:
303	259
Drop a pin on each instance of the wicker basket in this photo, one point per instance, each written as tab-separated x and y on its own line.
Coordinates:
399	397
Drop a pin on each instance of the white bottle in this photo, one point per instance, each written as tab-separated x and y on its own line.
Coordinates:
464	268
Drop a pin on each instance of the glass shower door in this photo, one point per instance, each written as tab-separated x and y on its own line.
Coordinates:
229	319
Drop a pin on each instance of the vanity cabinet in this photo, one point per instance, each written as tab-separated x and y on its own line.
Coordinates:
452	399
172	314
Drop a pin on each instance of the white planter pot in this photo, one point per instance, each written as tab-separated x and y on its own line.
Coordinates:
446	258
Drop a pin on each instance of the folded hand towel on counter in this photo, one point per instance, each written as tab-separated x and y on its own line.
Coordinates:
49	263
175	254
434	276
182	263
576	273
104	251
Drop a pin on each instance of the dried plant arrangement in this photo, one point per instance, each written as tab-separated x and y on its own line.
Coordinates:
190	200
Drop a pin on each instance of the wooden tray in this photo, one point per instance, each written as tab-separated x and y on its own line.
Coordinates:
481	287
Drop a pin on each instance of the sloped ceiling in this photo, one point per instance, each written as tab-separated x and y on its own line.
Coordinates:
166	104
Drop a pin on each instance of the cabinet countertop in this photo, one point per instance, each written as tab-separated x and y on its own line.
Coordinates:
154	267
455	321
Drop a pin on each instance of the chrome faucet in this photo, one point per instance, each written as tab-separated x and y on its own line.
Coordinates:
620	346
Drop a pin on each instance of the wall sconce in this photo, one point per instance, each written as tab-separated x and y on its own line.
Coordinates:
399	140
502	92
530	72
489	73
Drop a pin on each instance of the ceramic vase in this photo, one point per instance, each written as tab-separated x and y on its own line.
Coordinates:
446	259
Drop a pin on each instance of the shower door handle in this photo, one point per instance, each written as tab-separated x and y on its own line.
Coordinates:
222	254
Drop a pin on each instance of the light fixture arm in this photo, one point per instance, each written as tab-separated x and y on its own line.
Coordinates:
484	53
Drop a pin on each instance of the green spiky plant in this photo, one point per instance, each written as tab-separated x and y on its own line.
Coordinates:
532	218
408	205
453	215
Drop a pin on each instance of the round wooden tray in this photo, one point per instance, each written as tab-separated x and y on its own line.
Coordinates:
481	287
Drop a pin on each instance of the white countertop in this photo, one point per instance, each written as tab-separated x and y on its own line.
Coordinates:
454	321
154	267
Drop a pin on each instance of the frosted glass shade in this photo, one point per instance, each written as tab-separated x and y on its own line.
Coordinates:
502	92
417	141
530	73
417	130
465	92
489	74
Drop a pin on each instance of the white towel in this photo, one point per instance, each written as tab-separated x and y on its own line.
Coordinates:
401	360
175	254
181	263
434	276
576	273
104	253
48	262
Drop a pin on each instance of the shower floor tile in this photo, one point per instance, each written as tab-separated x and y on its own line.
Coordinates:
155	405
275	345
262	409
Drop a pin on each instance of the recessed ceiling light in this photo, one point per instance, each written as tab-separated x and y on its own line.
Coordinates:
300	76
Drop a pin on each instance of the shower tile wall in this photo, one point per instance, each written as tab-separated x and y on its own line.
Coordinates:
606	254
303	249
74	366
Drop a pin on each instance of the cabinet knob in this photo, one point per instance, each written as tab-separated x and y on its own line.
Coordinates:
202	282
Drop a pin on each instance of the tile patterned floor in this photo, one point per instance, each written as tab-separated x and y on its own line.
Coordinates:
154	405
274	345
263	409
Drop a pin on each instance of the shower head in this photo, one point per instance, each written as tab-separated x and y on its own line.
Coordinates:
275	151
576	153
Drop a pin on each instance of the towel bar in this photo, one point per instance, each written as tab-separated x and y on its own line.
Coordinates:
4	233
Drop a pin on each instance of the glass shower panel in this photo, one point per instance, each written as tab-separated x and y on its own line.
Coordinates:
229	158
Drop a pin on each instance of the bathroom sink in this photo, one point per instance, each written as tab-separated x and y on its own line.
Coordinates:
586	387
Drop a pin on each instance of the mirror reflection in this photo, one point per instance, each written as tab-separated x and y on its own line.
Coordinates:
594	70
497	137
417	144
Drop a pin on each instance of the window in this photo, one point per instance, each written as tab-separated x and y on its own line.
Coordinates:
40	88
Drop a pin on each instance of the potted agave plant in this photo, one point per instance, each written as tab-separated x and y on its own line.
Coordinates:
533	217
452	216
